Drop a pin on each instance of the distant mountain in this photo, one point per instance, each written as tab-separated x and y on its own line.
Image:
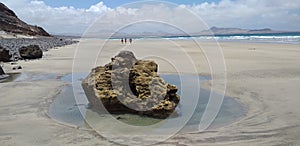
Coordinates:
210	32
229	31
10	23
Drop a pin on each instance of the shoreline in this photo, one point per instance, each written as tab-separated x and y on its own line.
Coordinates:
256	78
212	40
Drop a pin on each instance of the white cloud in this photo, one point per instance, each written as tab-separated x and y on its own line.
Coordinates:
56	19
98	8
277	14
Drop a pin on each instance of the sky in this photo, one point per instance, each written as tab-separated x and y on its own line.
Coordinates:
79	16
111	3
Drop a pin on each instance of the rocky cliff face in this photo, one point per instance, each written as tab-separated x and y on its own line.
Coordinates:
10	23
128	85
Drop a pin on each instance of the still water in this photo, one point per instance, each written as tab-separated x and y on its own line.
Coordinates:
71	105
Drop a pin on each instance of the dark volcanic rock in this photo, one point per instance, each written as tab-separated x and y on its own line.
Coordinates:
9	22
31	52
130	85
5	56
1	71
2	74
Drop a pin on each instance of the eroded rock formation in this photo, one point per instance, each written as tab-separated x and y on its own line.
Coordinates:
128	85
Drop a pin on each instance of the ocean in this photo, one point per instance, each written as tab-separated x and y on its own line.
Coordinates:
286	38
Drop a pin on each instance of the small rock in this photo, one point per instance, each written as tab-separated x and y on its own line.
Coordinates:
1	71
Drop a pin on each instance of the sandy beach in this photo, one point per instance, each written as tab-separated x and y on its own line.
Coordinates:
265	78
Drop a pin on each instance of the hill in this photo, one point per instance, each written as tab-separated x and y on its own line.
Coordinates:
229	31
10	23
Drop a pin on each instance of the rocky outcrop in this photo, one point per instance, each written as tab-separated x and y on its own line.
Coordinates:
128	85
10	23
5	55
31	52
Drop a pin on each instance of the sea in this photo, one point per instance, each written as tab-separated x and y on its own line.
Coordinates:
282	38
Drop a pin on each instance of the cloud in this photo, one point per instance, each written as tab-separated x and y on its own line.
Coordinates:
98	8
276	14
56	19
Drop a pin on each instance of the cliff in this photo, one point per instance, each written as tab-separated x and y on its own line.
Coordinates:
10	23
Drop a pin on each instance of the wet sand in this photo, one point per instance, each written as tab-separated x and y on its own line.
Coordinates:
264	77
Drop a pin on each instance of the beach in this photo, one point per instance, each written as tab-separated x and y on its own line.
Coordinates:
264	77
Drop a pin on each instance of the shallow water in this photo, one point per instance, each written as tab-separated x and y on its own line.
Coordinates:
65	108
21	77
11	77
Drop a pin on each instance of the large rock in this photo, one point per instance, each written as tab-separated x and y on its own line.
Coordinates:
128	85
31	52
5	56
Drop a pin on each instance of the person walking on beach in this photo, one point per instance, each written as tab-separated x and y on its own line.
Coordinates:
125	40
130	40
122	40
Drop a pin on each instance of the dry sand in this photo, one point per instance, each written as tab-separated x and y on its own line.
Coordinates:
263	77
